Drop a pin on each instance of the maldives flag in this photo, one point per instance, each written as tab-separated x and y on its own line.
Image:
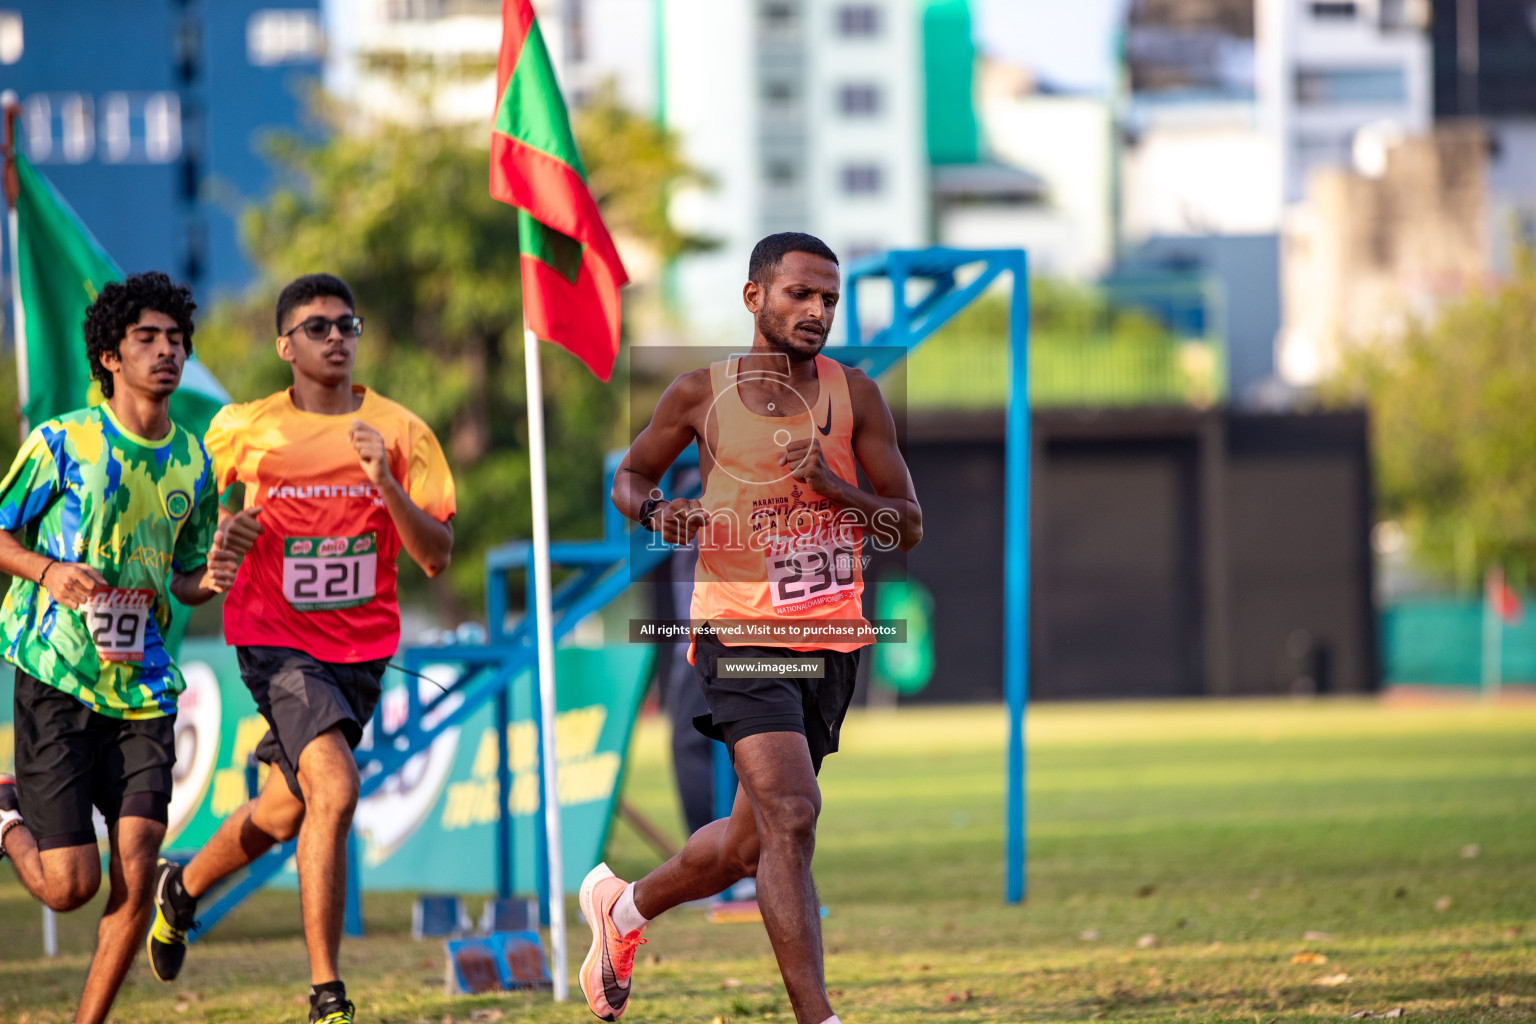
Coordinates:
571	271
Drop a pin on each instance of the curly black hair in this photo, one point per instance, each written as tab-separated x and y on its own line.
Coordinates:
119	307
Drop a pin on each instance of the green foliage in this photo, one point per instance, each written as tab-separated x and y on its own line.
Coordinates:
1058	308
1453	410
403	214
10	438
1084	350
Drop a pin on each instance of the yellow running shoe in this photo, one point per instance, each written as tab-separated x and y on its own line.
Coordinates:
332	1009
168	935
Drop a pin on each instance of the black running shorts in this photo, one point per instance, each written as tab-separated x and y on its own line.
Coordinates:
745	705
70	758
301	697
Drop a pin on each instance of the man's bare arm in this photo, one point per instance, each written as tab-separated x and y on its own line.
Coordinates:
429	541
670	431
69	583
891	512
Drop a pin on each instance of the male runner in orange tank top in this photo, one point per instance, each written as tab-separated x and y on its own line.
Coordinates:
781	528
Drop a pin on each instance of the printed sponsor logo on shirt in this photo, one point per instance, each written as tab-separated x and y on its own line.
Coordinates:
333	546
324	491
362	545
300	547
178	504
121	598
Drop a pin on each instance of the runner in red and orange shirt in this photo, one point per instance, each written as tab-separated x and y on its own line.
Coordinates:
343	479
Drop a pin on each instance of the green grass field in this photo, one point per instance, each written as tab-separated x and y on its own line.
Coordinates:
1228	831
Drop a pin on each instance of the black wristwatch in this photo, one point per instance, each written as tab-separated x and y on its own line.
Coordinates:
647	508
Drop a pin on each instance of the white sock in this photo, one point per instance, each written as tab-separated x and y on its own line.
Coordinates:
832	1020
625	917
8	820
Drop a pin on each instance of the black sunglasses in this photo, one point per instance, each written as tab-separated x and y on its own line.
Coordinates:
318	328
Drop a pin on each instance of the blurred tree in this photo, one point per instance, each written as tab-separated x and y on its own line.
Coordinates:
402	213
1453	419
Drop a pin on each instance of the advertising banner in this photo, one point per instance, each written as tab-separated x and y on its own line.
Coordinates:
441	809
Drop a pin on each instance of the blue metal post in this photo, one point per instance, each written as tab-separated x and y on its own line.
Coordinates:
504	795
354	913
724	789
724	780
495	604
540	829
1016	575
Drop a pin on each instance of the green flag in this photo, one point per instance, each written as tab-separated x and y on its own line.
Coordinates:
571	271
60	269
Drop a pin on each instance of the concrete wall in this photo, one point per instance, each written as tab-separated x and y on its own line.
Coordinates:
1365	254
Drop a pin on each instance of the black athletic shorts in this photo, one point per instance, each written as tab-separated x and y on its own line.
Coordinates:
745	705
70	758
301	697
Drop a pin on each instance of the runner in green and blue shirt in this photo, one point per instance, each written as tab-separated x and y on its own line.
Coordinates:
105	515
86	489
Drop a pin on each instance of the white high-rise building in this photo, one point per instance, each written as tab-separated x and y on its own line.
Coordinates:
803	115
807	115
390	59
1325	84
1328	68
590	42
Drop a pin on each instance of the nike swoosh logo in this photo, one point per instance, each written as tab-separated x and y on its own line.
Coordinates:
828	428
616	991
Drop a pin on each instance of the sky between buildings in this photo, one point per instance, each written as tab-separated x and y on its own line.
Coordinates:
1068	43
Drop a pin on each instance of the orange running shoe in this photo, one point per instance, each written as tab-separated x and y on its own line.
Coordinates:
611	960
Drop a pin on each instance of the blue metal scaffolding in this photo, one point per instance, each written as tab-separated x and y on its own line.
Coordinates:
927	290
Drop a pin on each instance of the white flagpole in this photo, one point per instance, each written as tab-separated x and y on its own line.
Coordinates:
540	566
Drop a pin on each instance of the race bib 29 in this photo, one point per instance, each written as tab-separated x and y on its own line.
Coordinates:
117	618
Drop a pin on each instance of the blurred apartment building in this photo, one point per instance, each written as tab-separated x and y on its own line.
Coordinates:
803	114
1231	107
1328	69
1485	69
148	117
1041	177
1372	248
414	60
807	115
382	53
1420	218
1234	103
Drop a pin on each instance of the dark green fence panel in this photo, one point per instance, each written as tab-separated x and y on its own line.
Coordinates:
1440	642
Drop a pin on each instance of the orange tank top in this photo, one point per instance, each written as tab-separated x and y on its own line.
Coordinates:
772	549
